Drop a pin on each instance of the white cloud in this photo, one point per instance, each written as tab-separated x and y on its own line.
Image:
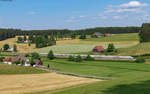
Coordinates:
134	4
116	17
121	10
135	10
32	13
82	16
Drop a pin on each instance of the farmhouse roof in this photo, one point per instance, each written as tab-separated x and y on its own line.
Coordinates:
13	59
99	48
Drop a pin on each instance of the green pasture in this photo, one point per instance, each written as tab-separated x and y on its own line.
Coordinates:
13	69
129	77
139	49
116	38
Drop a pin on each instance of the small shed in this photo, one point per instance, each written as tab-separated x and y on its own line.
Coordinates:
98	49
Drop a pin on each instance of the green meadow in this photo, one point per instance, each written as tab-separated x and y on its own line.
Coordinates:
117	38
129	77
13	69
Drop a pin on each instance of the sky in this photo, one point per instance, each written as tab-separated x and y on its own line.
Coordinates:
72	14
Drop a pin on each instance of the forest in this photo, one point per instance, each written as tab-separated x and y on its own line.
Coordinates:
10	33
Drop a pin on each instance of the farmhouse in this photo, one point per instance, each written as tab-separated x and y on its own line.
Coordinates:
98	49
106	34
26	61
37	62
98	34
10	49
27	40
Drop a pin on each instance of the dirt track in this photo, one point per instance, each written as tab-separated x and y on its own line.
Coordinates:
19	84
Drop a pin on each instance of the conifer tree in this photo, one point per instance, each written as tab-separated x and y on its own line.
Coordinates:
51	55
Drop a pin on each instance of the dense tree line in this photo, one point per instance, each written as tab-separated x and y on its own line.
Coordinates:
111	30
145	33
7	33
60	34
68	33
39	40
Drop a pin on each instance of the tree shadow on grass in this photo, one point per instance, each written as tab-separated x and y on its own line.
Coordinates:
138	88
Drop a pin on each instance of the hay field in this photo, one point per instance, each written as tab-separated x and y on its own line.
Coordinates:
22	48
20	84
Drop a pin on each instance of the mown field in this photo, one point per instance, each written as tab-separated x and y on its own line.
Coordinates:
129	77
86	46
139	49
29	83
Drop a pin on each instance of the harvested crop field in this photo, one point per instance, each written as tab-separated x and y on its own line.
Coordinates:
30	83
22	47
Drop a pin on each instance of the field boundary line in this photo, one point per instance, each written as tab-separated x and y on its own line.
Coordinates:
77	75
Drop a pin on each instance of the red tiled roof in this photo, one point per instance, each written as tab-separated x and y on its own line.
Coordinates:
98	49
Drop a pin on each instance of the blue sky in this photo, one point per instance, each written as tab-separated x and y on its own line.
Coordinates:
72	14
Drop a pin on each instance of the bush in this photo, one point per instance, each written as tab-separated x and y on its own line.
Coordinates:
26	55
6	47
78	59
111	48
51	55
89	58
22	62
94	36
20	40
15	48
1	59
82	36
71	58
17	62
29	44
35	55
32	62
140	60
73	36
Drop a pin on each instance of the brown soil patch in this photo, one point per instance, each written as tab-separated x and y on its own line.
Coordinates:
30	83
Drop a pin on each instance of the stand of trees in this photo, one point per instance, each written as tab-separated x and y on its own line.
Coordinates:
41	41
145	33
7	33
